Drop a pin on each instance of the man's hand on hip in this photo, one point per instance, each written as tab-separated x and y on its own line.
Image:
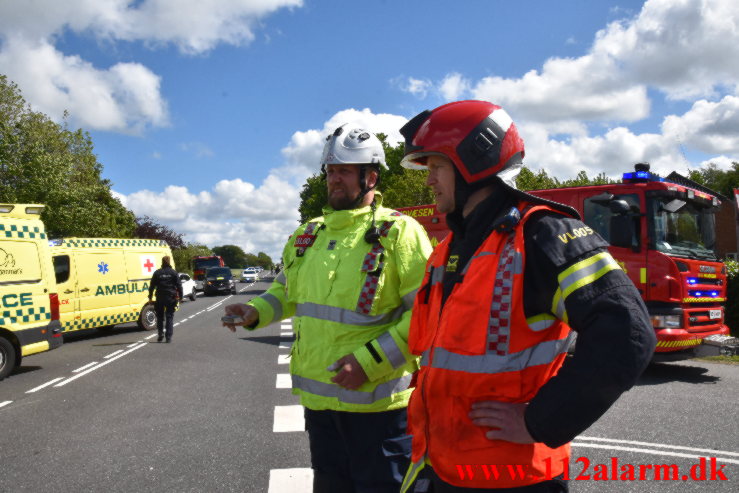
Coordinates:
351	374
506	419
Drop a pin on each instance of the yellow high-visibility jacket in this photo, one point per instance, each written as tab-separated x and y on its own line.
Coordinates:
349	296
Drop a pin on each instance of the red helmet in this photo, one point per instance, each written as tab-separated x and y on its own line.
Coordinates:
478	136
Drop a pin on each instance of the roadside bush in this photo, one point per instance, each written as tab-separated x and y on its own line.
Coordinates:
732	296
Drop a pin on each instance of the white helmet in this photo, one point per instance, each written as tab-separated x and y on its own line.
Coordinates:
352	144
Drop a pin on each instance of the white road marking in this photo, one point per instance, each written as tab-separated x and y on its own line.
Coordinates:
114	353
132	345
649	451
658	445
288	418
84	367
50	382
284	381
297	480
283	359
285	344
70	379
5	403
153	335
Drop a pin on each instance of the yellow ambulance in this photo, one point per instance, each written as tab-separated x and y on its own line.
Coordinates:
105	281
29	306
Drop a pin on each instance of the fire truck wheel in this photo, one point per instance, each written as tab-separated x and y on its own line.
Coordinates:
148	318
7	357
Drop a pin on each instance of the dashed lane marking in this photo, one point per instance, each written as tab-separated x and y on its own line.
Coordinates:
649	451
283	359
50	382
288	418
5	403
297	480
88	365
284	381
113	354
71	379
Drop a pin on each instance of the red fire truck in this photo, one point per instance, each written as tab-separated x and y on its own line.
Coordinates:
201	264
662	233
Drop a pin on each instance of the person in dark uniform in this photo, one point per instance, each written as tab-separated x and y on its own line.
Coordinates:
495	315
168	288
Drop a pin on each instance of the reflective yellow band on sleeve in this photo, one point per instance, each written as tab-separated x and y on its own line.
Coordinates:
579	275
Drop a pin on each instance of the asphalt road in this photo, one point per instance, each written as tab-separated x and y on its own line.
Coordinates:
117	411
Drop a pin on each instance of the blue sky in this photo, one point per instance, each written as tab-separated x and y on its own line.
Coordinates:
209	115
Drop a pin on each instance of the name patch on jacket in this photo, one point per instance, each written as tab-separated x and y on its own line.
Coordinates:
304	241
451	264
575	234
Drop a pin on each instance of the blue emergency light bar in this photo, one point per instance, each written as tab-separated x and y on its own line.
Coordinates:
640	176
692	280
703	294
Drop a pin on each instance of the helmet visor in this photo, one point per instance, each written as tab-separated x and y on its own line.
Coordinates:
417	160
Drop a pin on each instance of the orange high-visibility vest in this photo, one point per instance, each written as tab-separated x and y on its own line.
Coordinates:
478	347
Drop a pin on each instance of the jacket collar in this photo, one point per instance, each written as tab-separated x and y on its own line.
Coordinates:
334	219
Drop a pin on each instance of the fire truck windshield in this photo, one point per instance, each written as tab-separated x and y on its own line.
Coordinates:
682	228
204	263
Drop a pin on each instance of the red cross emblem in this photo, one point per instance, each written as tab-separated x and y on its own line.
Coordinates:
148	265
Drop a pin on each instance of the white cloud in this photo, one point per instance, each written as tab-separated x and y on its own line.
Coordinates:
574	113
453	86
712	127
125	97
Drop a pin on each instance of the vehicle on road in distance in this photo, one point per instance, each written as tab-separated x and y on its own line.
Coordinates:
188	286
249	274
29	304
201	264
105	281
662	233
219	280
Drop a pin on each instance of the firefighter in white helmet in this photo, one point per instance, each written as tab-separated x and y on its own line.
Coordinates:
349	280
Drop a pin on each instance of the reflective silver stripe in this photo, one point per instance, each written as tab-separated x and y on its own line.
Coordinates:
482	254
425	358
281	277
559	308
411	474
344	316
382	391
541	354
437	275
409	298
541	322
566	284
391	350
274	302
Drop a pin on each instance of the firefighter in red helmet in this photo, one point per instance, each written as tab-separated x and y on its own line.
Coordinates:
503	296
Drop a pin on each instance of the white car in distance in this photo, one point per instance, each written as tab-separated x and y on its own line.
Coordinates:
249	274
188	286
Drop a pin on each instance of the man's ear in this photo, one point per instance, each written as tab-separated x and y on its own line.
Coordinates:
372	177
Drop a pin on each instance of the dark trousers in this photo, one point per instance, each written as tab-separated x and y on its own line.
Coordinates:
429	482
165	312
358	452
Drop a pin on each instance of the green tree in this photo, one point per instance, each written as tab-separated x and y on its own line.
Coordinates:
264	260
233	255
723	182
44	162
400	187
